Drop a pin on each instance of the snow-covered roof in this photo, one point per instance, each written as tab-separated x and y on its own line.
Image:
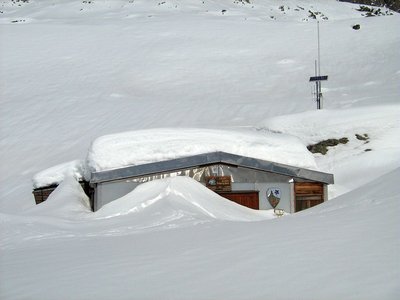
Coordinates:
207	159
123	151
55	175
154	145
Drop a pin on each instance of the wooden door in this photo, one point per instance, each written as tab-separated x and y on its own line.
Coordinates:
308	194
249	199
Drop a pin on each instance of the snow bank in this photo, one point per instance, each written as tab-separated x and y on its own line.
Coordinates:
210	260
56	174
358	161
381	193
36	11
146	146
156	206
162	65
178	198
315	126
68	200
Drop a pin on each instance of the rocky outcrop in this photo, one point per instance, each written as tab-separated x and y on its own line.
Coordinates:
392	4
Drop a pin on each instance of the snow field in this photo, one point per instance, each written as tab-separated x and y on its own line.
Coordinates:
358	161
72	72
326	246
82	79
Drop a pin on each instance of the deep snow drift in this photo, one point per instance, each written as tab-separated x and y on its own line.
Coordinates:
373	153
72	71
347	248
181	195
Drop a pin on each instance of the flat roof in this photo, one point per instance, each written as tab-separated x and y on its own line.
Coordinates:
209	159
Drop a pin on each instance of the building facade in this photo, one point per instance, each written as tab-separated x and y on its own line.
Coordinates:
255	183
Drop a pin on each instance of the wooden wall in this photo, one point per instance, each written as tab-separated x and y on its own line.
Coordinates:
41	194
249	199
308	194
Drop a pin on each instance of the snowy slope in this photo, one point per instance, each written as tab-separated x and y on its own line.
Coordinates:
164	246
69	76
73	71
358	161
108	10
184	197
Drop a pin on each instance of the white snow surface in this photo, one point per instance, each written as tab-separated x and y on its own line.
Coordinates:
358	161
146	146
170	234
55	175
67	200
74	71
180	197
104	67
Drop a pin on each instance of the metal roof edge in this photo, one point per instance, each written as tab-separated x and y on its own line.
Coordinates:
156	167
274	167
206	159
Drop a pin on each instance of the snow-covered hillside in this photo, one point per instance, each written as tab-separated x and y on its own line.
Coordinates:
174	239
73	71
69	75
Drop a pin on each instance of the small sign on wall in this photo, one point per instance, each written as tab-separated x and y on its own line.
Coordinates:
274	196
219	183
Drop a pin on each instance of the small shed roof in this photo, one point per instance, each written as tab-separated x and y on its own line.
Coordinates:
209	159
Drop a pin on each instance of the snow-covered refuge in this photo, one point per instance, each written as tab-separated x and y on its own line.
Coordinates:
260	170
251	182
257	170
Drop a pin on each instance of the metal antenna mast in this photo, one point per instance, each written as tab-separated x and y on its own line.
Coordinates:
319	51
318	78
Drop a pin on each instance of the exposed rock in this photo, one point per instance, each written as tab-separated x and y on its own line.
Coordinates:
391	4
363	137
322	147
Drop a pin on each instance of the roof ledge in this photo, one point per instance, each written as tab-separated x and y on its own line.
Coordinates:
208	159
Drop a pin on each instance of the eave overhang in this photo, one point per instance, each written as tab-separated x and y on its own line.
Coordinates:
206	159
